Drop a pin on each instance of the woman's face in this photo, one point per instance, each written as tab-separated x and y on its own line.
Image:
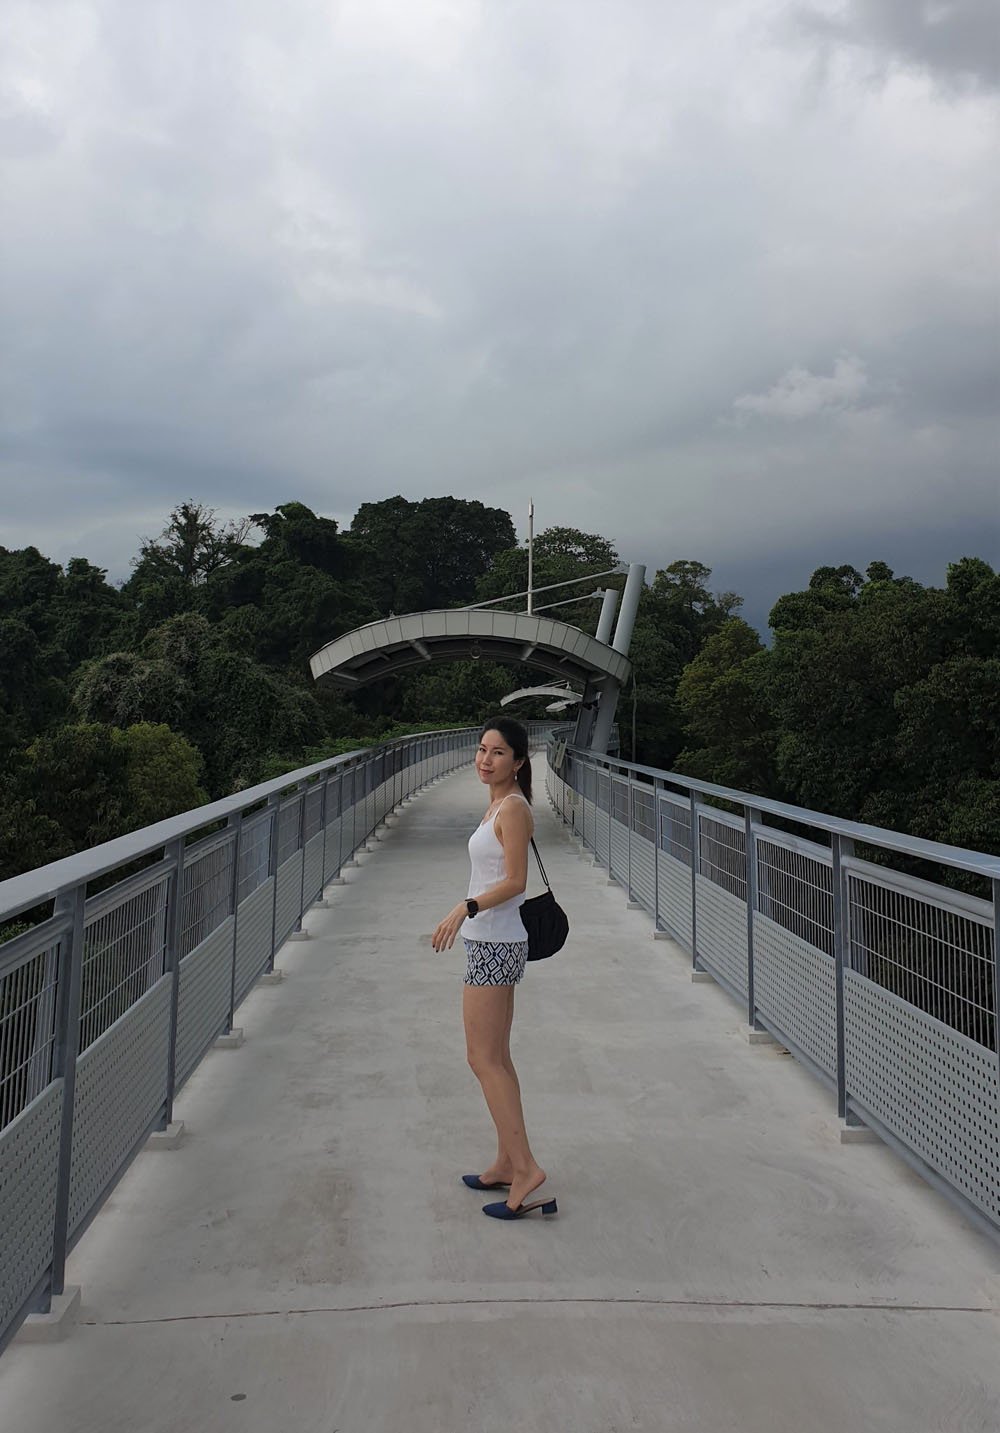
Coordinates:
495	760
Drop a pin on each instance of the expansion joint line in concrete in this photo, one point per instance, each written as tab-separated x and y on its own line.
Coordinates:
720	1304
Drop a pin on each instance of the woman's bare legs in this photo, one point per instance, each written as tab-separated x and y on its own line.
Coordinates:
488	1012
502	1169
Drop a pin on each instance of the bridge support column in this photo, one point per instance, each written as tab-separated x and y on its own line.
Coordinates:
623	639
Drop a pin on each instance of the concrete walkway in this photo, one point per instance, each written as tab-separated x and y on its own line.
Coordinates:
309	1260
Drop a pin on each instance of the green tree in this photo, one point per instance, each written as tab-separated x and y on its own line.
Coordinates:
192	546
82	784
428	554
677	615
75	778
88	612
162	773
303	585
124	688
724	698
31	697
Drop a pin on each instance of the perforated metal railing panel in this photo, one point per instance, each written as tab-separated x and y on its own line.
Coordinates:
643	872
253	937
313	878
120	1086
932	1087
795	989
29	1156
203	997
618	796
674	881
333	858
619	851
722	933
286	908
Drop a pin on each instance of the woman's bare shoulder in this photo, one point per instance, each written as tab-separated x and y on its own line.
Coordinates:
516	812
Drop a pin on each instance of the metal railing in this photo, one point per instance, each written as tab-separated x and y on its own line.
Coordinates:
110	1000
883	984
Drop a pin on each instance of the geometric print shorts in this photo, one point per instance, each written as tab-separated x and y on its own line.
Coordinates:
495	962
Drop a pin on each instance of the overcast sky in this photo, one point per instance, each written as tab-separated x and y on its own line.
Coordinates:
717	280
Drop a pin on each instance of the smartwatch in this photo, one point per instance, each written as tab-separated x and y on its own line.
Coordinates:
472	907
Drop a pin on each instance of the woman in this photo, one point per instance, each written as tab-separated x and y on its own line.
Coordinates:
496	946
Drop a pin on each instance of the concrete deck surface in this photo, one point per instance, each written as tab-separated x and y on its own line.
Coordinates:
309	1260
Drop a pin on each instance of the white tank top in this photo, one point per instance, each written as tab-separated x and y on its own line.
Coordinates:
503	922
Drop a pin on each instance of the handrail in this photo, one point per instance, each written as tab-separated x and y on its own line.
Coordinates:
34	888
132	986
980	863
885	985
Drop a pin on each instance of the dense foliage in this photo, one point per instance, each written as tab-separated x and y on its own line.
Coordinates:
878	701
120	705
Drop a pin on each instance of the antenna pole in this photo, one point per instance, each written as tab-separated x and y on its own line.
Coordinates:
531	551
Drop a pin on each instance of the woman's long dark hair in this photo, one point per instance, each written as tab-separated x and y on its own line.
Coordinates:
516	737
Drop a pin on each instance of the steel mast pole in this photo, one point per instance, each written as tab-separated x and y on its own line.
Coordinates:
531	551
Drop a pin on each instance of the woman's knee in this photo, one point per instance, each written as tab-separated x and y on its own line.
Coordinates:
484	1061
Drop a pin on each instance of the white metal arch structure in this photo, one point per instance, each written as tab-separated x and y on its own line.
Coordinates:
397	643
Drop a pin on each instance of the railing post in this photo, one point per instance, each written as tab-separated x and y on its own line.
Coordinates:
172	966
274	803
235	821
750	850
71	904
996	973
656	854
340	820
323	812
611	802
841	936
695	855
302	847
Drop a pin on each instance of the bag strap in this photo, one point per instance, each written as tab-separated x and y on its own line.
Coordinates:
539	860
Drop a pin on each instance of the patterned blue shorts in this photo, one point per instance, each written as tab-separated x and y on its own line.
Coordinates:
495	962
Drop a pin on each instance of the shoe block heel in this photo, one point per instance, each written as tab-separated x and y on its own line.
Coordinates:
551	1207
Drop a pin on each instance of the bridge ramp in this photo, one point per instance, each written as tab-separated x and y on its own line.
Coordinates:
309	1259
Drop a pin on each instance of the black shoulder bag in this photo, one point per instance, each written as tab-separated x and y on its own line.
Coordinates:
543	919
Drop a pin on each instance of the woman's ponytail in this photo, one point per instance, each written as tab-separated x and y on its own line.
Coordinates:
524	778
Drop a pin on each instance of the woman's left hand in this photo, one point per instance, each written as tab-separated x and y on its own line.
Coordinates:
446	930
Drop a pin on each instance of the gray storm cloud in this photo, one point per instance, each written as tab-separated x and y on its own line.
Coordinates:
956	40
712	283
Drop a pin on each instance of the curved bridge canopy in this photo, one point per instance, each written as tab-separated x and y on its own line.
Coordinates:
397	643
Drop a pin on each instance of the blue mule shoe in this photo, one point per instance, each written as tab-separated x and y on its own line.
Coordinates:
474	1182
504	1211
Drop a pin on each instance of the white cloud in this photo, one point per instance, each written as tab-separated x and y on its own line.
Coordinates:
801	394
337	251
